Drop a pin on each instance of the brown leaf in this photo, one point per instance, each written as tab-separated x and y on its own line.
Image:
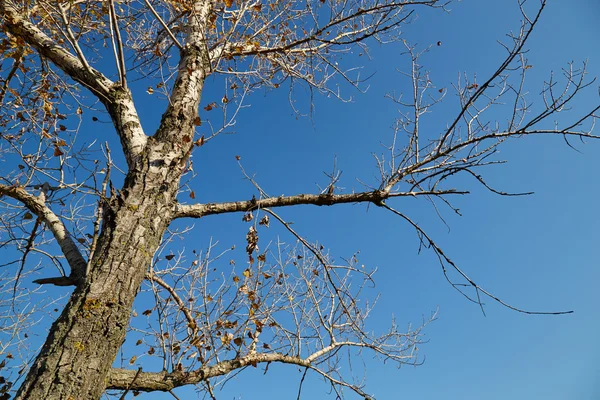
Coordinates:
192	195
187	139
228	3
138	342
57	152
79	111
238	158
264	221
147	312
151	351
169	257
225	100
132	360
199	142
238	341
81	240
27	215
197	121
248	217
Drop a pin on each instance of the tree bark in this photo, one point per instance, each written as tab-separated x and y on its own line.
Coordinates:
84	341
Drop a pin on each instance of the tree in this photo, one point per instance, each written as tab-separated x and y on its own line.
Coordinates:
289	305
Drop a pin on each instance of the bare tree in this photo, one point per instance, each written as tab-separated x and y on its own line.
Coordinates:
291	304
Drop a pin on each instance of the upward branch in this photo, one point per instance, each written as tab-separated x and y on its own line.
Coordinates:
116	99
21	27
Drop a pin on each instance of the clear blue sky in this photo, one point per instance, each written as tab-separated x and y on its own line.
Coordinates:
538	252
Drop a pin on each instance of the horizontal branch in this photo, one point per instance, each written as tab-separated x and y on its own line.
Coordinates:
375	197
165	381
37	206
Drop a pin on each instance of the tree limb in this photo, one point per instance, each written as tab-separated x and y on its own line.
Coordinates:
116	98
46	46
375	197
164	381
61	234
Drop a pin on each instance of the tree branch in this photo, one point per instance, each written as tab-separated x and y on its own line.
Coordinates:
37	206
164	381
46	46
375	197
116	99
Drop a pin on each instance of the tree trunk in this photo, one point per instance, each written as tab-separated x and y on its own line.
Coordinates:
85	339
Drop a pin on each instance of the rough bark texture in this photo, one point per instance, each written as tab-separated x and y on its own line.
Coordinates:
84	341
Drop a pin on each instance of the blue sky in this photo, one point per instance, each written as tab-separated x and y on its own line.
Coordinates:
537	252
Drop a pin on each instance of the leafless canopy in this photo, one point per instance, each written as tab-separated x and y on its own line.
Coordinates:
63	219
